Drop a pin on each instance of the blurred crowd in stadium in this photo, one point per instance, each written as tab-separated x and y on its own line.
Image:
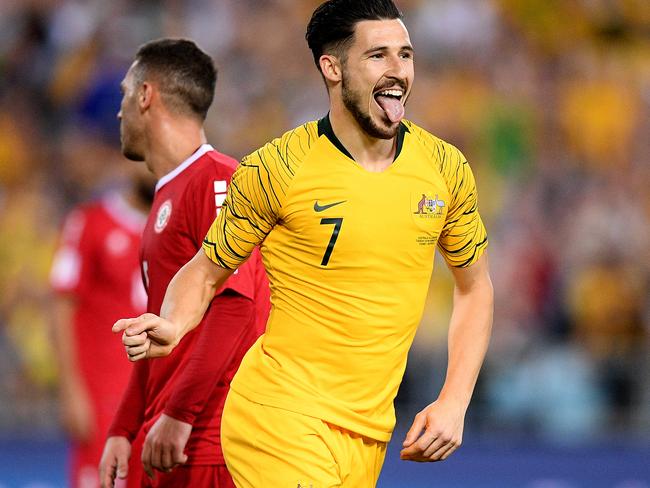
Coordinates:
549	100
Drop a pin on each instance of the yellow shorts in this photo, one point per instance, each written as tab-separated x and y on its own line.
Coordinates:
268	447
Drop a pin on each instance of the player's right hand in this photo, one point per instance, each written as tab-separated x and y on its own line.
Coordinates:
76	412
147	336
164	445
115	460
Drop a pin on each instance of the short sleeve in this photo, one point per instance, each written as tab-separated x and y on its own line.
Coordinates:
463	238
250	209
66	275
204	202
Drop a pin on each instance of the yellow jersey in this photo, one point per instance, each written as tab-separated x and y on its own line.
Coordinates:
349	254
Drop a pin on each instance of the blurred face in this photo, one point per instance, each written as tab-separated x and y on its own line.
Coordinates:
377	76
131	126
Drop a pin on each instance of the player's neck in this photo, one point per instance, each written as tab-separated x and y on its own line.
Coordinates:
172	142
137	201
369	152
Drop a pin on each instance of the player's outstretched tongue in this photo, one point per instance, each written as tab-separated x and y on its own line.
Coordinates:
392	106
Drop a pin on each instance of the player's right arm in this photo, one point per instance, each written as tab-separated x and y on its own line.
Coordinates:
187	298
70	276
76	408
249	213
115	460
126	424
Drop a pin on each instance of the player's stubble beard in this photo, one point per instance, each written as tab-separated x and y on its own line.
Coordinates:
131	155
352	101
129	149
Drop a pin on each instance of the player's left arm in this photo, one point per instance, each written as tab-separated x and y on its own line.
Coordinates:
437	431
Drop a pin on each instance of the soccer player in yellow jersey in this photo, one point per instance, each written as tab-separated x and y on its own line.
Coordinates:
348	211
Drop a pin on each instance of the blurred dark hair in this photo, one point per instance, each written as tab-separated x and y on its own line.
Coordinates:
332	24
186	75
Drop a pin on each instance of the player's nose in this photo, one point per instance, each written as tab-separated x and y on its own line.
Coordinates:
397	69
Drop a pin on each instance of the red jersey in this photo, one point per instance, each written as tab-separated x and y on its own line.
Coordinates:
191	384
97	265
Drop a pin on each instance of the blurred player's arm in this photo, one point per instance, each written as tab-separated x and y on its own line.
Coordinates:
70	275
227	323
76	408
126	424
437	430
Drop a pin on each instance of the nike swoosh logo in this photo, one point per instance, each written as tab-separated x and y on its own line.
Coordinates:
320	208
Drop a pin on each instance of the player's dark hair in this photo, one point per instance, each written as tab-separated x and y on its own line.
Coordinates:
331	28
186	76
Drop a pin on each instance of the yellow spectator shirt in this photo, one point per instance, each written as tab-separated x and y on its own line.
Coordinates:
349	254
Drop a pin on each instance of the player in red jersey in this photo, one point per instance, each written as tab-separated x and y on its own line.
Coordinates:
96	278
179	399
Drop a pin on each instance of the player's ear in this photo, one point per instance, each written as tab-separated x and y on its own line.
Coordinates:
145	95
331	68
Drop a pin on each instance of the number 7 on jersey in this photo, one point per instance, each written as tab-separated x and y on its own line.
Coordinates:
336	222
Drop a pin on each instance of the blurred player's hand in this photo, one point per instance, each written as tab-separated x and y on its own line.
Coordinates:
77	412
164	445
147	336
115	460
436	433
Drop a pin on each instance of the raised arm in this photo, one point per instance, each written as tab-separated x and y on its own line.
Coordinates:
188	296
437	431
247	216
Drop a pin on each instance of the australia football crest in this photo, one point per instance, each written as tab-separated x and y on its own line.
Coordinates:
163	216
427	206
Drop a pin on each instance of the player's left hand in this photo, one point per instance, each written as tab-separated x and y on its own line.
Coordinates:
164	445
436	433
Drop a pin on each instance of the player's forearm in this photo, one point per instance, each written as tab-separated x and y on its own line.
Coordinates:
64	343
469	335
228	323
130	413
190	292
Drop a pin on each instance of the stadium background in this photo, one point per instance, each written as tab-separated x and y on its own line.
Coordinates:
549	100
